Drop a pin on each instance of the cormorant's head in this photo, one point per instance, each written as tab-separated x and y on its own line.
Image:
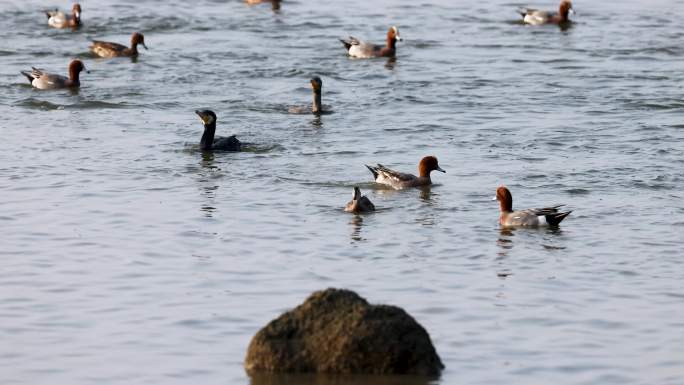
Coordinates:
206	116
316	84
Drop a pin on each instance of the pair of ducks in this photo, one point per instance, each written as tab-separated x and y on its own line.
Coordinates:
50	81
363	50
546	216
394	179
59	19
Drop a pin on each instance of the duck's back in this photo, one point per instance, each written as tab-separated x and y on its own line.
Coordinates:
57	19
536	17
363	50
108	49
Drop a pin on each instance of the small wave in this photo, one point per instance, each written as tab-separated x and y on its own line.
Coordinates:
577	191
652	105
38	104
97	104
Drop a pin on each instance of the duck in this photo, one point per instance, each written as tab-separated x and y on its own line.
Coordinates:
47	81
363	50
359	203
316	107
537	17
108	49
58	19
275	4
400	180
211	143
550	216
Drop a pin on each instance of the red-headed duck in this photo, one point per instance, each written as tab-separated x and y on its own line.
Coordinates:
361	49
359	203
316	107
530	217
58	19
47	81
211	143
537	17
399	180
107	49
275	4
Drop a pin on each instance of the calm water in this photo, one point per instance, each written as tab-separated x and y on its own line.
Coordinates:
127	257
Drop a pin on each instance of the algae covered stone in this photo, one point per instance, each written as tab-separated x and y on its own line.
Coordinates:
337	331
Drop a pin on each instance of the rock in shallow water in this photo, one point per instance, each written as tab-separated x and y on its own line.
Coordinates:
337	331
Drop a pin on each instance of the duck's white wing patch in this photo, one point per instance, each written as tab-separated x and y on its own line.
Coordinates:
361	49
536	17
57	18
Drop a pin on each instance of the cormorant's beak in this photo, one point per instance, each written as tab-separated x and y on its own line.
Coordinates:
572	11
398	38
440	169
201	116
144	46
494	198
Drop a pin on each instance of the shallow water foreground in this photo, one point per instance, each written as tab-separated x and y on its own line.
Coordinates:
127	257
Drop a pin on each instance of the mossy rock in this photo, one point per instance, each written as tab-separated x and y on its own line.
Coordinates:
337	331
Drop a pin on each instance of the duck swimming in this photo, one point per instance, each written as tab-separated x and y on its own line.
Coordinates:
211	143
400	180
47	81
317	106
107	49
363	50
537	17
359	203
58	19
530	217
275	4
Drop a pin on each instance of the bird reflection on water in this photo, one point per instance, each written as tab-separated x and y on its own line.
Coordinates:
207	187
357	223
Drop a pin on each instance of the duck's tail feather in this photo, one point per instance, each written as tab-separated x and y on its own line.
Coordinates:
357	193
556	218
347	44
28	75
374	171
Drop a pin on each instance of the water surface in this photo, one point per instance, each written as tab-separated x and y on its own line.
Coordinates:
128	257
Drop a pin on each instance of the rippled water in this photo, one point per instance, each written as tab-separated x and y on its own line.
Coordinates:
128	257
